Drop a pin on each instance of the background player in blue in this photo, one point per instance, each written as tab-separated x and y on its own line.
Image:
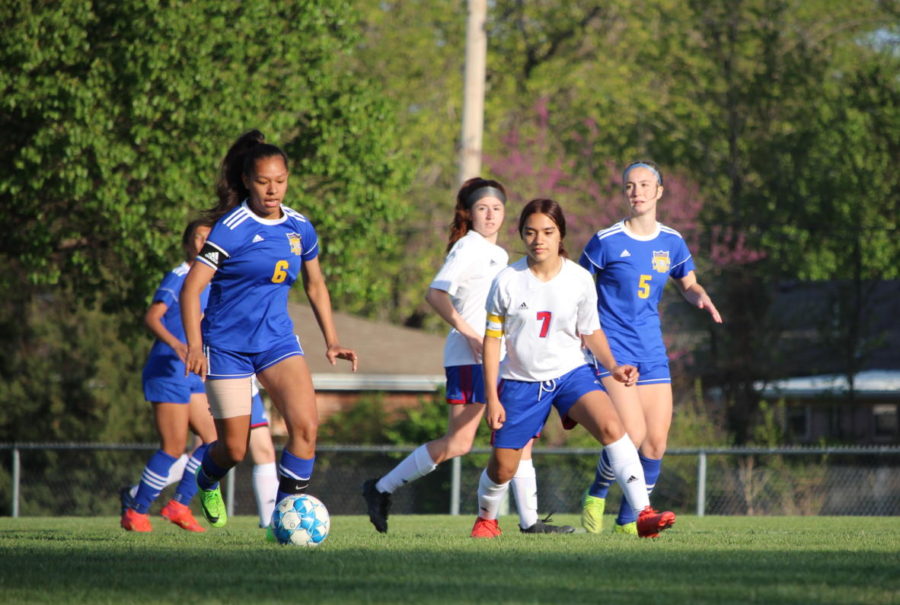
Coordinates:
256	250
545	307
178	399
632	261
458	293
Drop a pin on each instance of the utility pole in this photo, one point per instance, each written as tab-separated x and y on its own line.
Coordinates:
473	91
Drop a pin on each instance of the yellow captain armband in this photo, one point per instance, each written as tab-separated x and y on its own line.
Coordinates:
494	326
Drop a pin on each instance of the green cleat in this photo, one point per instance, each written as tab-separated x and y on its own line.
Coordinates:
213	506
592	513
270	535
628	528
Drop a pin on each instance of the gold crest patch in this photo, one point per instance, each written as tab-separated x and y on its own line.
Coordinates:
661	261
296	244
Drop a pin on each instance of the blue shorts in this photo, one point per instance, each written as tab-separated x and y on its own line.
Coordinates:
171	389
465	384
528	404
258	416
164	381
224	364
651	372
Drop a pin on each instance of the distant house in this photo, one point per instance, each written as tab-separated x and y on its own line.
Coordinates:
820	406
401	363
814	353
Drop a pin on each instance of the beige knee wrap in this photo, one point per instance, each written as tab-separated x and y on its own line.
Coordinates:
230	397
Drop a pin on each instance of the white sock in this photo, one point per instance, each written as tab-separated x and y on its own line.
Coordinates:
624	460
417	464
177	469
490	496
174	476
265	488
524	488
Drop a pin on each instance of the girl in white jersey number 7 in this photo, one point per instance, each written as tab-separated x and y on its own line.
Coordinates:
544	305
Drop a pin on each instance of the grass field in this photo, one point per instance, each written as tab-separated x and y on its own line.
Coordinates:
431	559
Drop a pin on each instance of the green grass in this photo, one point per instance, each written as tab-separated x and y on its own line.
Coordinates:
431	559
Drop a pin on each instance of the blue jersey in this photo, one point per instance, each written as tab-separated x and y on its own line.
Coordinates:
162	359
631	272
257	261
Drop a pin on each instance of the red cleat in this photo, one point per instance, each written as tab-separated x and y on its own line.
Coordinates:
135	521
650	522
180	515
485	528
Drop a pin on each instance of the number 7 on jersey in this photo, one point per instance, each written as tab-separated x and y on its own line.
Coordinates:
544	316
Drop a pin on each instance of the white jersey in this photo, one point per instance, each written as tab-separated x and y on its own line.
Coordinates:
466	276
542	321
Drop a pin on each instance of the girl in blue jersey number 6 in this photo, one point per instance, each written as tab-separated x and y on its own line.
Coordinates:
632	261
544	305
256	250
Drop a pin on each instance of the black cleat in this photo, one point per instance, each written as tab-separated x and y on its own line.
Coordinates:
378	505
542	526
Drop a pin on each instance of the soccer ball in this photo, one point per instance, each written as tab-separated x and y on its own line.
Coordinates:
301	520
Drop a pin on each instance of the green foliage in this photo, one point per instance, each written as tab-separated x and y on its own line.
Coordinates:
363	422
115	118
695	425
117	124
780	116
75	377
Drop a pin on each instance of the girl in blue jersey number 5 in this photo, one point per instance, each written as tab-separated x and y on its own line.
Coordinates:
544	305
632	261
256	250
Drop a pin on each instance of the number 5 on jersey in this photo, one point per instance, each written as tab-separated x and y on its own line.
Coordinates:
644	286
280	273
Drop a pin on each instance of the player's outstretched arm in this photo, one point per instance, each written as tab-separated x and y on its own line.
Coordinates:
317	292
695	294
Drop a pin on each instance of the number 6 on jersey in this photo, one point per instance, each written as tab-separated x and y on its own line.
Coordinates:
280	273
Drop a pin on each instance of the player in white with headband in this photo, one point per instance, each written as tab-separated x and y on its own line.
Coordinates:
458	293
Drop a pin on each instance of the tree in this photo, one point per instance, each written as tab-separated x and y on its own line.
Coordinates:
116	116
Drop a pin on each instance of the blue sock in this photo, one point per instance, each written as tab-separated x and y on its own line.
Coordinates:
293	475
153	480
603	478
209	473
187	487
651	467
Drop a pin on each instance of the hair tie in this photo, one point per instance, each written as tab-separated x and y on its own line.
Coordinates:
483	192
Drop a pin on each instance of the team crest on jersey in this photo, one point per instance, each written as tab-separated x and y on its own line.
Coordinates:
661	261
296	248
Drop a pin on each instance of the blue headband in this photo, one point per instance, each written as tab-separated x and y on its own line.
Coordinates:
483	192
643	165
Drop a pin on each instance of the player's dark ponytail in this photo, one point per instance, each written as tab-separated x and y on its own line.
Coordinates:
239	161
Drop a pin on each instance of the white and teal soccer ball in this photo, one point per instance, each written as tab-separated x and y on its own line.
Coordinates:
301	521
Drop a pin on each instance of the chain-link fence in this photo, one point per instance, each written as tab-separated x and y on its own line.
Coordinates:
43	479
